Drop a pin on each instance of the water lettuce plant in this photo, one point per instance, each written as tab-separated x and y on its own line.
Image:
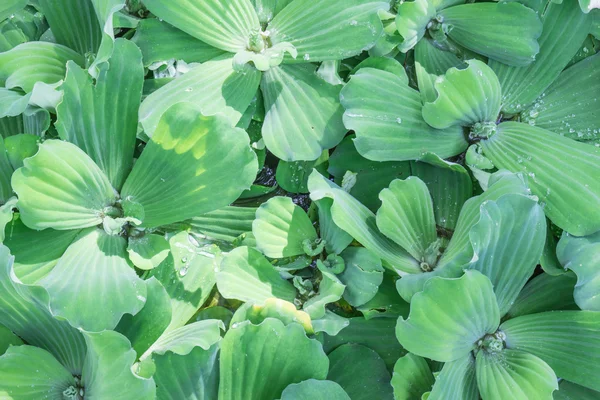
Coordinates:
296	199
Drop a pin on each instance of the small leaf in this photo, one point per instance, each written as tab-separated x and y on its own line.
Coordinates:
570	391
362	276
281	227
183	340
412	20
282	310
445	330
314	390
456	380
331	290
148	251
545	293
61	188
336	239
412	378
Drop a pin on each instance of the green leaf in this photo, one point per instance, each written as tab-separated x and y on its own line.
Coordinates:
49	244
6	172
188	276
246	275
465	97
183	340
32	373
387	302
10	7
226	224
282	310
336	239
213	86
12	103
448	183
326	30
281	227
29	63
267	9
23	310
107	373
314	390
571	391
376	334
19	147
274	356
101	117
73	23
406	216
566	340
445	330
8	339
386	115
148	251
514	374
194	376
371	176
293	176
160	41
507	245
224	25
144	328
355	367
330	323
569	106
94	270
549	261
545	293
582	255
456	380
506	32
431	62
303	113
176	162
362	276
564	29
562	172
358	221
411	378
61	188
331	290
412	21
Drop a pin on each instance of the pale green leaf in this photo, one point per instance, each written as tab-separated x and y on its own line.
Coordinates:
224	25
303	113
449	316
513	374
465	97
101	117
331	323
312	389
61	188
331	290
12	103
562	172
456	380
328	29
355	367
336	239
362	275
225	224
273	307
246	275
412	20
411	378
183	340
281	227
566	340
386	115
267	9
192	165
503	31
274	356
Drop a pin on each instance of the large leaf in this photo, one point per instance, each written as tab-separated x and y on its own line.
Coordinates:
465	97
107	372
101	118
314	390
194	376
328	30
386	115
61	188
355	367
32	373
457	380
449	316
74	23
566	340
273	356
303	112
507	244
412	377
582	255
569	106
565	28
29	63
23	310
362	275
246	275
192	165
563	172
406	217
506	31
281	227
94	270
225	25
213	86
514	374
358	221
